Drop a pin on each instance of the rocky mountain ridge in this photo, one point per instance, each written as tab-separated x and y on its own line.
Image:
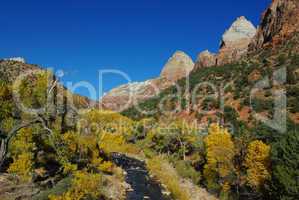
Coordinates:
178	66
234	44
275	46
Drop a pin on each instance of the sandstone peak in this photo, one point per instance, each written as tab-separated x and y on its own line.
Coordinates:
118	99
206	59
179	65
235	41
241	29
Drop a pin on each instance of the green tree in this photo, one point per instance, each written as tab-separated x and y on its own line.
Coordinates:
285	164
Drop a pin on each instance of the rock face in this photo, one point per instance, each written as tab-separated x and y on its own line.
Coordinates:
278	23
125	96
177	67
234	44
235	41
206	59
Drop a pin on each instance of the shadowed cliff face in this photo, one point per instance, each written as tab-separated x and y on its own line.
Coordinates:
279	22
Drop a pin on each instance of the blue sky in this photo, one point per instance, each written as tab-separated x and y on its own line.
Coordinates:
134	36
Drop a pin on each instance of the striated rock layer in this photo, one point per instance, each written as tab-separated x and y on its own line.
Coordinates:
206	59
128	95
177	67
279	22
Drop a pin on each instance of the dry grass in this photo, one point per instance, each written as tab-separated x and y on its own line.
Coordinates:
160	168
181	189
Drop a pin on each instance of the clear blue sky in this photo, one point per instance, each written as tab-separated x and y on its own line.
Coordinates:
134	36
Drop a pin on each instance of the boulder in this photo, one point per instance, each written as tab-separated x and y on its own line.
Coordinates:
206	59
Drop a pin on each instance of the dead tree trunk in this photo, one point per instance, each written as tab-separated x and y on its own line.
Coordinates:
3	151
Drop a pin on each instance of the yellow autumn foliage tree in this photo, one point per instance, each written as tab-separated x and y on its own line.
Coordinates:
257	162
84	186
220	152
97	121
84	148
21	149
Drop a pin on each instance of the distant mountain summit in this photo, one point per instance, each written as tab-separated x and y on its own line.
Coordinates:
178	66
233	46
279	22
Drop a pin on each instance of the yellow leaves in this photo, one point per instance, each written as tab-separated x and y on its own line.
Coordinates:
22	166
5	91
21	150
257	163
220	154
84	185
220	150
98	121
69	168
257	152
71	141
111	142
106	166
226	187
160	167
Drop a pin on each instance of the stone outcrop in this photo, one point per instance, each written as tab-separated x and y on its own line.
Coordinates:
206	59
125	96
234	45
128	95
177	67
235	41
279	22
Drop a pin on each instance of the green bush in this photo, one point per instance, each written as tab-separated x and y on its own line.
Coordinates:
185	170
260	105
285	164
60	188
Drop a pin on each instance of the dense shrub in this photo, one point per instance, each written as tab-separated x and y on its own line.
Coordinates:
285	166
185	170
